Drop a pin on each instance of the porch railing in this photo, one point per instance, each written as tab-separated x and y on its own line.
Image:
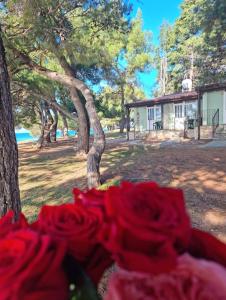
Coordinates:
215	121
206	117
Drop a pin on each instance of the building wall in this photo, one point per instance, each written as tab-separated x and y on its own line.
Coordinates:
168	116
139	115
211	101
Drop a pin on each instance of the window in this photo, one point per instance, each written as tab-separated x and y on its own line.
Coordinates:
158	113
190	110
178	110
151	113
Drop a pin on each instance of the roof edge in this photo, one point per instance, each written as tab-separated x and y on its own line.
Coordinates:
177	97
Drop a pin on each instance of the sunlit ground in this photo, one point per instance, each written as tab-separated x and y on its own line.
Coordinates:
47	177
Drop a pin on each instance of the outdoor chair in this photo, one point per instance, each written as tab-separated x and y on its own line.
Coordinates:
157	125
191	124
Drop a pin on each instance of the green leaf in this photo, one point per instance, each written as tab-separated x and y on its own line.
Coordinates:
81	286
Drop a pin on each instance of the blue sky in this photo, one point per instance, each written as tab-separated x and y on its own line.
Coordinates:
154	13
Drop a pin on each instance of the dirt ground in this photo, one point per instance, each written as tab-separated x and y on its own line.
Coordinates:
49	176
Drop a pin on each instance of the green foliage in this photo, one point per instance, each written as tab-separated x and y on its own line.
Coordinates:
195	46
109	100
125	60
47	30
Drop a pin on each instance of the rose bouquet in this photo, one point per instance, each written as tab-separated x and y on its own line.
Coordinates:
142	229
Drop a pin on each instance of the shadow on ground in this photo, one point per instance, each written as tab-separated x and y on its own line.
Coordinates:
48	177
201	173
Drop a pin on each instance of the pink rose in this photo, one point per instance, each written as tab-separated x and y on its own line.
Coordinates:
192	279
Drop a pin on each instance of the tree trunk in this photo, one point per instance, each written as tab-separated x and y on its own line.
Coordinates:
98	146
9	187
48	124
123	112
53	129
40	140
42	116
65	125
122	123
83	133
97	149
47	139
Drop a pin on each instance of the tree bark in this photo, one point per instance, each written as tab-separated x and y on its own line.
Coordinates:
40	140
65	125
9	187
53	129
98	146
123	112
83	134
48	124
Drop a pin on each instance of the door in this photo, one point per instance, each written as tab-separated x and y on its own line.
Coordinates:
179	116
151	118
154	115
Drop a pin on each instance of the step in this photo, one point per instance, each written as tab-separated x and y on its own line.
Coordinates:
221	133
221	127
219	137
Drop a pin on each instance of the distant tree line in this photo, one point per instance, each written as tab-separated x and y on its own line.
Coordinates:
193	47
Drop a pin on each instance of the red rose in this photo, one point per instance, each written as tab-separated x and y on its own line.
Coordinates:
204	245
7	224
146	226
79	227
90	198
31	267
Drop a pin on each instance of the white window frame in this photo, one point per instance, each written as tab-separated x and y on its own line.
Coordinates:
187	103
179	114
154	110
149	109
183	104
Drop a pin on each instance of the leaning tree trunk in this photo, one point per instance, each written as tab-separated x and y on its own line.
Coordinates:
83	133
98	146
97	149
9	187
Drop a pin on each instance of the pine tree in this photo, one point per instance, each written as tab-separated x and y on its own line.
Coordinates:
9	189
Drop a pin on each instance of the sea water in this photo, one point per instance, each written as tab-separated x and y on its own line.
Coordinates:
27	137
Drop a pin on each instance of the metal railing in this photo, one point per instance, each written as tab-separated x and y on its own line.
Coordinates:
215	121
207	116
